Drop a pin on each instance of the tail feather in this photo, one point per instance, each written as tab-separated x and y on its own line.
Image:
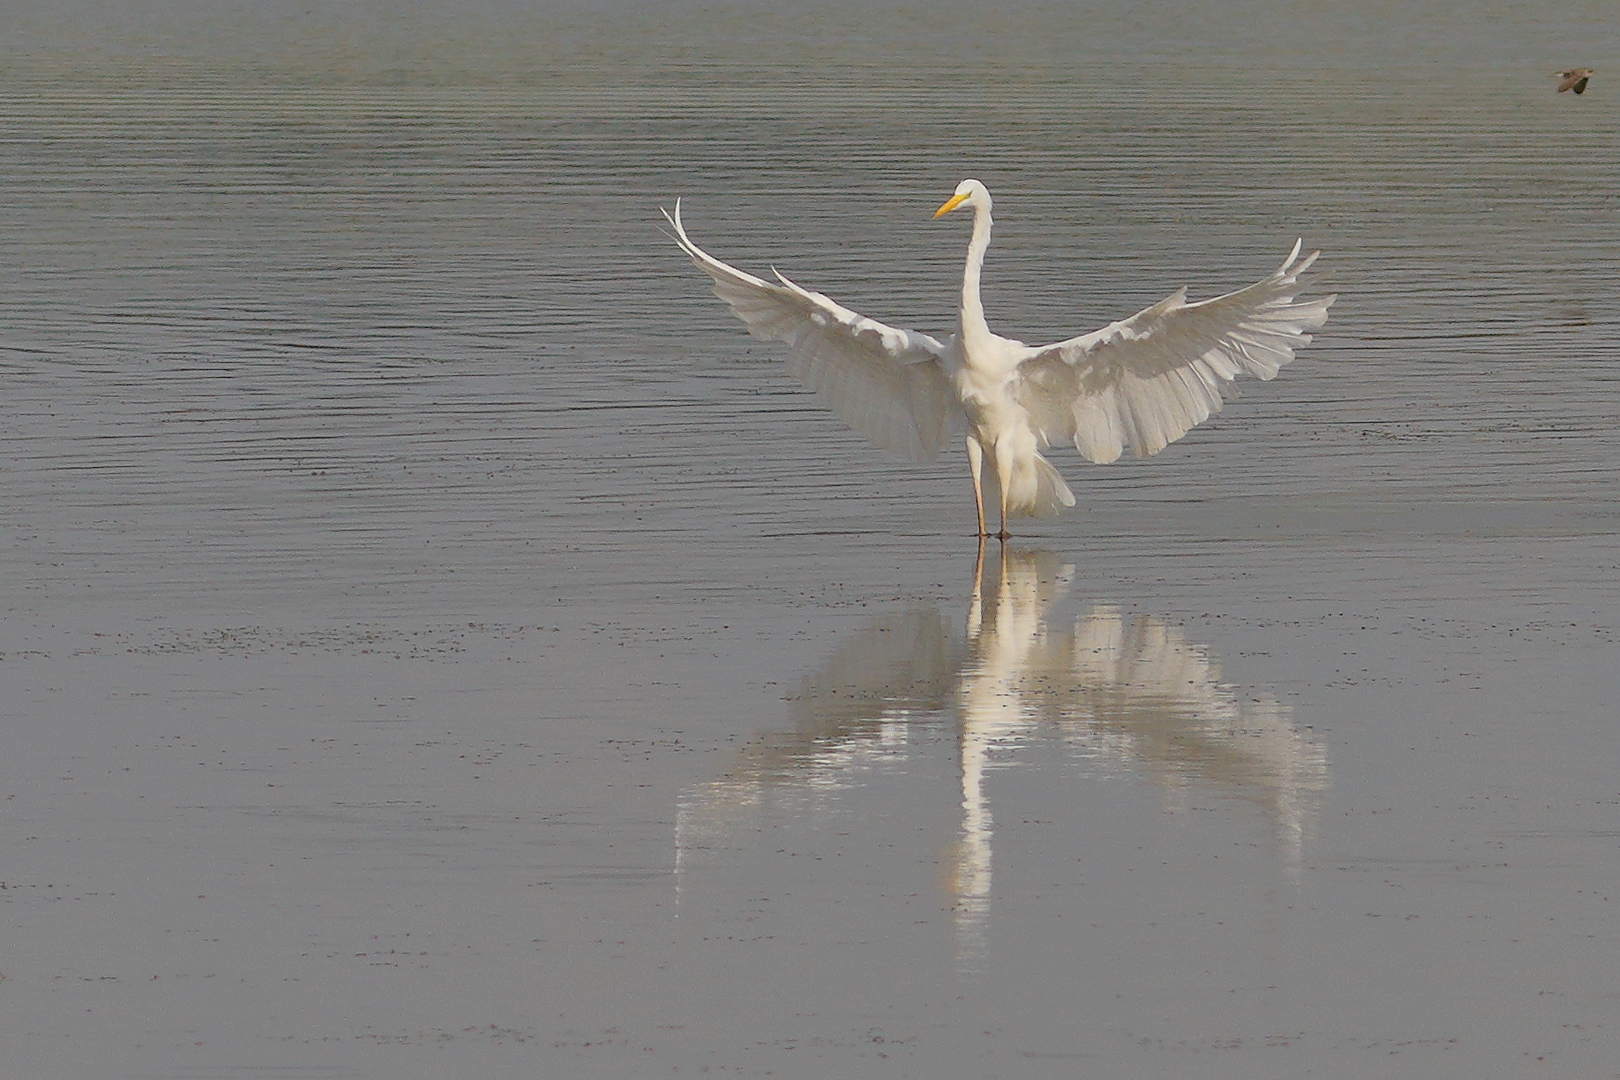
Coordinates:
1036	489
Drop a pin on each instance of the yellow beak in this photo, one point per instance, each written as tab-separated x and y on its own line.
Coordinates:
951	204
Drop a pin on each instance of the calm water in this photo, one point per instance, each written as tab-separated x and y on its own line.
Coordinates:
435	639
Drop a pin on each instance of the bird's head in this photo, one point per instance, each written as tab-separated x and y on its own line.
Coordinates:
968	193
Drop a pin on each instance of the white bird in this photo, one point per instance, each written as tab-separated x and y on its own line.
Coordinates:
1142	383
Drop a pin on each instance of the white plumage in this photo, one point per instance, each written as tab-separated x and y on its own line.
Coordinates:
1140	383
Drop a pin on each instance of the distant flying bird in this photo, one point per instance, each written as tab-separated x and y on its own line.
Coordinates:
1574	79
1140	383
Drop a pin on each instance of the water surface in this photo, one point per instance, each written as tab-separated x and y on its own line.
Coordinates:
436	639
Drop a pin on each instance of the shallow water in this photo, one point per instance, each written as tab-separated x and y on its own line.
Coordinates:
436	640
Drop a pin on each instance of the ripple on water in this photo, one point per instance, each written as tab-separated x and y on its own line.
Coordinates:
362	330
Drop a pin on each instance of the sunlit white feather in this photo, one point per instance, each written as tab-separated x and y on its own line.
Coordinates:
1140	383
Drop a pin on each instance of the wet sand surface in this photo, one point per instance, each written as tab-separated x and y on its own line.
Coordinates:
436	641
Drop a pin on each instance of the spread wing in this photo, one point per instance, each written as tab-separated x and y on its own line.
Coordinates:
886	383
1145	381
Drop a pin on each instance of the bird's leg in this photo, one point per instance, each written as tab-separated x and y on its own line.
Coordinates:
1004	478
975	462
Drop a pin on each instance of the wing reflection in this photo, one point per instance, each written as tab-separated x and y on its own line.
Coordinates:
1117	689
858	712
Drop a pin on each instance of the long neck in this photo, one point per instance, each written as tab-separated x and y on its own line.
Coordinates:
973	322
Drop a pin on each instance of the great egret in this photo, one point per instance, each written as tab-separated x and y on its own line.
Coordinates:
1143	382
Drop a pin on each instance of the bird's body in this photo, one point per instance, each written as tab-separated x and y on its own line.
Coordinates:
1574	79
1141	383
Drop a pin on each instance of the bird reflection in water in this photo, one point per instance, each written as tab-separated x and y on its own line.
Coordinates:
1116	689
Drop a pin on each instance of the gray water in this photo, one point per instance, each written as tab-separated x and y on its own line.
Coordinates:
435	640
